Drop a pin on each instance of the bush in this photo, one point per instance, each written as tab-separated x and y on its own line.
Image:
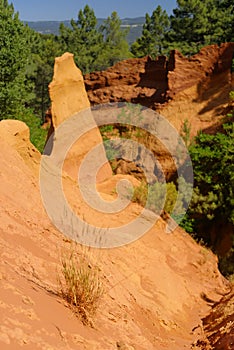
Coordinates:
213	164
212	205
162	196
37	133
226	264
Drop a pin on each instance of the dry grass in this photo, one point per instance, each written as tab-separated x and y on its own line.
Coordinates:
80	285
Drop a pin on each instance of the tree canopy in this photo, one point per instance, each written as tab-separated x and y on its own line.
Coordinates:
153	39
196	23
115	44
14	55
193	24
83	39
213	162
95	48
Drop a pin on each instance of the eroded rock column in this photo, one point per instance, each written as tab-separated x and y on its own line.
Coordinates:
69	99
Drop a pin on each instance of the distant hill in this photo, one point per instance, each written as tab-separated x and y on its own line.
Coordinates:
52	27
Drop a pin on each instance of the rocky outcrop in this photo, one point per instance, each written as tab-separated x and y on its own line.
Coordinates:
180	88
154	82
135	80
185	72
151	287
16	134
154	287
69	98
218	326
67	91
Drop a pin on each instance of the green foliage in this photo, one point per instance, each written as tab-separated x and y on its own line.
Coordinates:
105	131
44	49
116	45
14	54
213	164
37	133
189	23
185	132
94	48
129	115
83	40
212	205
163	196
222	21
163	192
16	69
153	39
226	264
231	95
196	23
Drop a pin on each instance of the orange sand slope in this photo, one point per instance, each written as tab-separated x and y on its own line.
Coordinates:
153	287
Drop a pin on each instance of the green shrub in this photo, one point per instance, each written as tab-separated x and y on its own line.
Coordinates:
185	132
212	204
226	263
161	196
37	133
213	165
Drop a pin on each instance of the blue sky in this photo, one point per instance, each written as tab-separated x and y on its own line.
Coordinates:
36	10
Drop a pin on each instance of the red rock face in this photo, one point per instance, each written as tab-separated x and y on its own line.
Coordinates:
180	88
219	326
159	83
186	72
135	80
154	82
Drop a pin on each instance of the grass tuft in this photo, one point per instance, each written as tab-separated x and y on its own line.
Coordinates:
80	285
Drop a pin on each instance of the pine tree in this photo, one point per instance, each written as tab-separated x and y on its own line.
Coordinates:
83	40
153	39
14	55
222	21
196	23
213	165
116	46
44	49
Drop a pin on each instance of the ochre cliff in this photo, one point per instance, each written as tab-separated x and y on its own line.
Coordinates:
152	287
157	290
154	82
